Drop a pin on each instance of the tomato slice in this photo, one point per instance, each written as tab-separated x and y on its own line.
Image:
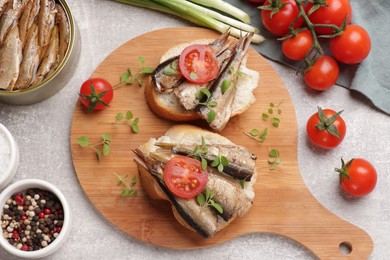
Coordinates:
198	63
184	176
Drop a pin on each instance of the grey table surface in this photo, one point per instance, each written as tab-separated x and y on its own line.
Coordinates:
42	131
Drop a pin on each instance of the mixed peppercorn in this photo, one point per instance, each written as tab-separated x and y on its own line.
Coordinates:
32	219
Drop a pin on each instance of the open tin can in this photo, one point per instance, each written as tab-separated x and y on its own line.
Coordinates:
58	79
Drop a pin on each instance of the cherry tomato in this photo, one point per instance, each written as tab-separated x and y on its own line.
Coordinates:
295	48
334	13
96	94
184	176
279	23
358	177
353	46
323	74
198	63
326	128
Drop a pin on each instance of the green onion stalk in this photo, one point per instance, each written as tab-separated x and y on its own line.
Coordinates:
196	11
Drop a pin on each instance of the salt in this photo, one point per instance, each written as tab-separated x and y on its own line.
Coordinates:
5	152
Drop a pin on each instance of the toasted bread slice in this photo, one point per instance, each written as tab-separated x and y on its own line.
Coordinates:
166	105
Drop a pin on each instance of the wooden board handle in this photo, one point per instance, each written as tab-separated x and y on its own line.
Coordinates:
300	217
342	240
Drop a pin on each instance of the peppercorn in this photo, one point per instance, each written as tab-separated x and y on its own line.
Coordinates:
32	219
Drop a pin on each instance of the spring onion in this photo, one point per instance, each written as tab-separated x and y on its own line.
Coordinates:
197	11
226	8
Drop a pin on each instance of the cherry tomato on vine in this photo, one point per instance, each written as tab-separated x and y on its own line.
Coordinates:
198	63
358	177
326	128
279	23
295	48
184	176
334	13
96	94
323	74
353	46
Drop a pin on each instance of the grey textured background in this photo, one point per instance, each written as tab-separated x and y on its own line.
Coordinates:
42	132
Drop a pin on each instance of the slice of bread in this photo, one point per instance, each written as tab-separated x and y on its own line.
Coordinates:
166	105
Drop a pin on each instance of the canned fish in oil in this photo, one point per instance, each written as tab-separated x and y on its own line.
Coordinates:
54	82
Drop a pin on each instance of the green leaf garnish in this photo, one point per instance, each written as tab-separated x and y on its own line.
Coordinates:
169	71
129	115
275	122
106	137
270	114
224	161
83	141
225	86
141	59
199	152
127	77
216	206
125	192
274	159
128	121
242	184
201	199
216	162
204	163
128	189
147	70
213	103
254	132
265	116
219	162
203	95
208	200
274	153
210	116
106	149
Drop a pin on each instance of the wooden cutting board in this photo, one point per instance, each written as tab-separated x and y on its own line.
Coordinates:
283	205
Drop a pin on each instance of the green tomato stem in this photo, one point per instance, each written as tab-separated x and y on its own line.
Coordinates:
310	27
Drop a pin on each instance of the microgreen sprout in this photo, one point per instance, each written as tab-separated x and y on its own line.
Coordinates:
84	141
257	135
128	190
239	73
274	159
127	120
199	152
127	78
273	113
207	200
172	69
225	85
204	96
242	183
220	162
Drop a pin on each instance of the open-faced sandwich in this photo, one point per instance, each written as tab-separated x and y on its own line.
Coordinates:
207	178
203	79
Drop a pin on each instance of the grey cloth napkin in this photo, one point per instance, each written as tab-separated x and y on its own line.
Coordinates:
372	76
